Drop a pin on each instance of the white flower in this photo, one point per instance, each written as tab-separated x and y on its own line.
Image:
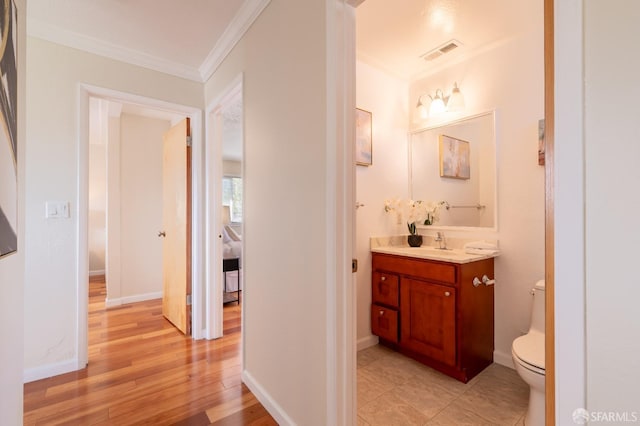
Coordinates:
415	212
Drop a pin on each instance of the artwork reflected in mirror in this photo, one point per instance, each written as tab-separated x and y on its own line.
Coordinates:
454	158
456	163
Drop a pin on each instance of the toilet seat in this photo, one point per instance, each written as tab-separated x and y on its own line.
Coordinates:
528	350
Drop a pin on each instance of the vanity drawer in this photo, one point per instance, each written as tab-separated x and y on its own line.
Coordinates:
422	268
384	323
384	288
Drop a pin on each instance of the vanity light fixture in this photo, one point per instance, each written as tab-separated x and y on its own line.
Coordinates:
423	112
456	100
437	104
440	103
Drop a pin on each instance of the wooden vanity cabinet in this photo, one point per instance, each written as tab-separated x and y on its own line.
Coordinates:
431	311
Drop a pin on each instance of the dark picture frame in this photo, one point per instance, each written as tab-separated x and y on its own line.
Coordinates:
8	131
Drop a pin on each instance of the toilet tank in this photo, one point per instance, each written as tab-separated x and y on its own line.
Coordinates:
537	313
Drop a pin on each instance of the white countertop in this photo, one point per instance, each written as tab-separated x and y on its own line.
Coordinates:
432	253
397	245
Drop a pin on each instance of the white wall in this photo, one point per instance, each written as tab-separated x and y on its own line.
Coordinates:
611	69
386	98
282	58
509	78
12	267
53	75
141	205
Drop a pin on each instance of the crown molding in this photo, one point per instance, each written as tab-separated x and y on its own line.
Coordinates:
247	14
241	22
37	28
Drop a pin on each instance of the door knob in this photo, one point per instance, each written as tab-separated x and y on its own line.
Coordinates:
162	234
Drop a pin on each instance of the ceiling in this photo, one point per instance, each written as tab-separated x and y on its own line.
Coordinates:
188	39
191	40
394	35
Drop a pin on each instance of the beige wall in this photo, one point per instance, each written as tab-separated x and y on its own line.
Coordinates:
283	60
140	206
98	137
386	98
612	235
12	267
53	75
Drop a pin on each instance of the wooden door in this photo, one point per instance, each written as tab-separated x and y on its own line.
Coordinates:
176	219
428	315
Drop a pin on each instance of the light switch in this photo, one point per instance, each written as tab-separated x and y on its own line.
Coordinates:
57	209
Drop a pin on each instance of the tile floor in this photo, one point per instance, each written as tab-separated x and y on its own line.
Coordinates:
396	390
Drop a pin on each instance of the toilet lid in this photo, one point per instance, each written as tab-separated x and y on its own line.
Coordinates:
530	349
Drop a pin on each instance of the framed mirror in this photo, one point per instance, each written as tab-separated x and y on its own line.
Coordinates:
455	162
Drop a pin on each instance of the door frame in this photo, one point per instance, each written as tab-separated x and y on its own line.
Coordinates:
85	91
213	201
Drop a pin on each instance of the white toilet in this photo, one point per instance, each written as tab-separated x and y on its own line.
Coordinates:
528	356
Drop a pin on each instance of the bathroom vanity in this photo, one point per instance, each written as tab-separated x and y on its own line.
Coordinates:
426	305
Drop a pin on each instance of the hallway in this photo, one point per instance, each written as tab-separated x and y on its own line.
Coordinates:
143	371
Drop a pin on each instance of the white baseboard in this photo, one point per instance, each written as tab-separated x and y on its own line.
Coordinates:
110	303
96	273
50	370
502	358
265	399
367	342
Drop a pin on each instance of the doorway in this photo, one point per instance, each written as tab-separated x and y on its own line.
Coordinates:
125	198
88	92
225	235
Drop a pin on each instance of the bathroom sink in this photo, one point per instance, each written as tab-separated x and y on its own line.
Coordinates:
433	251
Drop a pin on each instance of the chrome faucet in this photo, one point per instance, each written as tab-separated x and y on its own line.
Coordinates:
442	243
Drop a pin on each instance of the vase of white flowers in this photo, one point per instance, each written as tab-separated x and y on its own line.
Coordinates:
414	212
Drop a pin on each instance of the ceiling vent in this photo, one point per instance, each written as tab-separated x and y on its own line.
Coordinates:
441	50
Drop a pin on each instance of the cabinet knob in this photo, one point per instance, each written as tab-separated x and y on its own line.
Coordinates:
383	278
446	293
381	313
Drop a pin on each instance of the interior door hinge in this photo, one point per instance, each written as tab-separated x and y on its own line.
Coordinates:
354	265
188	300
189	140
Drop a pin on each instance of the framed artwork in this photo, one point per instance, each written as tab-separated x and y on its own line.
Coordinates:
454	158
541	144
8	127
363	138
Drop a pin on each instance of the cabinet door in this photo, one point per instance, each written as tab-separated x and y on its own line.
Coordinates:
384	323
384	289
428	319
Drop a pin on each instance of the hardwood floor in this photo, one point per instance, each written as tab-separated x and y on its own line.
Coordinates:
143	371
